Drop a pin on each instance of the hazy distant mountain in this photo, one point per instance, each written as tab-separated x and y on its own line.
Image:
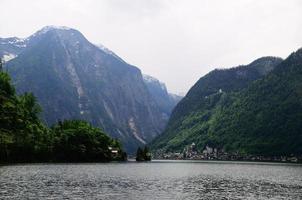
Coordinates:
73	78
175	98
158	90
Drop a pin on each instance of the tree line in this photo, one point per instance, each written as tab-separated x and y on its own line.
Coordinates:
25	138
143	154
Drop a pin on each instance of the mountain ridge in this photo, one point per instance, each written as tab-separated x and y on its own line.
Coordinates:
164	99
73	78
192	119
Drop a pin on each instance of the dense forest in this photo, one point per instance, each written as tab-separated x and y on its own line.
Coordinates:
24	137
241	113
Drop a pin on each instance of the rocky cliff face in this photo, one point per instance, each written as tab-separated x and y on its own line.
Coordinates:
11	47
73	78
166	101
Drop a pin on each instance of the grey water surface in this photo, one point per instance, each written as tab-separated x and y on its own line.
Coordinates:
152	180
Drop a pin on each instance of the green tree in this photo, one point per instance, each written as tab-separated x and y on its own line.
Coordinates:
24	138
139	154
78	141
143	154
147	154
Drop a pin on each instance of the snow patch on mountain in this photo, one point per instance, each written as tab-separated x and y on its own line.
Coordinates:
150	79
48	28
108	51
8	57
17	42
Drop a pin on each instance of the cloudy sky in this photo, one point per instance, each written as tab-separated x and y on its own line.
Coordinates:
176	41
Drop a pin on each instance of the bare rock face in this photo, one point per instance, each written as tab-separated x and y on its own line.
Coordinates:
166	101
74	79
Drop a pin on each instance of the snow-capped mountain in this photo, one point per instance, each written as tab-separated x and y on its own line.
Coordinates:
74	79
159	92
11	47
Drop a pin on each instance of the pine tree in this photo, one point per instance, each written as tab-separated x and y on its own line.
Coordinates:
147	154
143	154
139	154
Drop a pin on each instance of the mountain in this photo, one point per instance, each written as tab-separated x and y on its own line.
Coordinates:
24	138
175	98
266	117
166	101
11	47
75	79
239	109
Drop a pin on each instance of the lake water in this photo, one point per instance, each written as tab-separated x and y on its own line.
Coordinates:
153	180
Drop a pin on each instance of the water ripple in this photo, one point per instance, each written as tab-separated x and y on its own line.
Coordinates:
151	181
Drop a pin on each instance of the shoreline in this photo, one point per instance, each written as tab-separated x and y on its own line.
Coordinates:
160	161
225	161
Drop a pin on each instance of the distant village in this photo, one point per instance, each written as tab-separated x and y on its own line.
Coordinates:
191	152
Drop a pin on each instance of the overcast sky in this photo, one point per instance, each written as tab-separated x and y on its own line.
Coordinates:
176	41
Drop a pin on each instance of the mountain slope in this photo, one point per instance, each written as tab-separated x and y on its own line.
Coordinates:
158	91
74	79
11	47
265	118
192	119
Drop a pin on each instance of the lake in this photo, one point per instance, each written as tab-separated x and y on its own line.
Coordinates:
153	180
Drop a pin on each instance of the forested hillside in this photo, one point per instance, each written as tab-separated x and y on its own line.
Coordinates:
254	109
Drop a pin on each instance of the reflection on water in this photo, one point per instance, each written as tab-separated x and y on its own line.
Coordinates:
155	180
